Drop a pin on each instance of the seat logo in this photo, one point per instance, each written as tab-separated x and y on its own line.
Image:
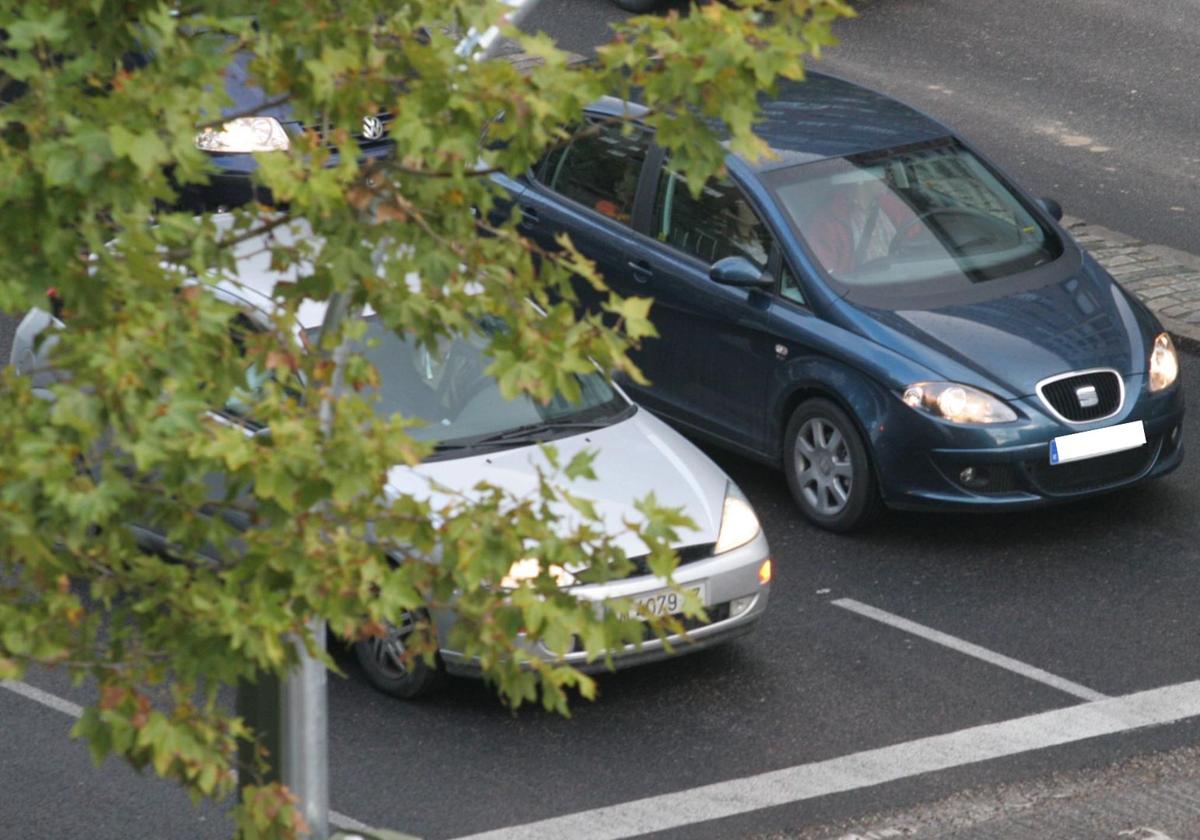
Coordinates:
1087	396
372	127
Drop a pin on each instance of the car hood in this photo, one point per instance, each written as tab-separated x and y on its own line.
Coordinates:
634	458
1009	343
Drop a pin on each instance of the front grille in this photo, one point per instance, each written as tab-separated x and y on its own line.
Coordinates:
716	612
687	554
386	119
1062	395
1093	473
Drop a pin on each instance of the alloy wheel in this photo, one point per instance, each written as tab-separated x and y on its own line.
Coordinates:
388	651
824	468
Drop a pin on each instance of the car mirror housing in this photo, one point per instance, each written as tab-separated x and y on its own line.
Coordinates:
740	272
1052	208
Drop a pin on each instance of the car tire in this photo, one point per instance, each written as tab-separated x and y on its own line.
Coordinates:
379	659
639	5
828	467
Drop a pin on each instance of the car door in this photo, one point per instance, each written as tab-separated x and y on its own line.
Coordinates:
709	368
589	189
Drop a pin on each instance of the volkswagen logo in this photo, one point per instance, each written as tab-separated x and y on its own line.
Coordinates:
372	128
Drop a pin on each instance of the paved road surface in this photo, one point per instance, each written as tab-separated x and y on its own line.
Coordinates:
1100	595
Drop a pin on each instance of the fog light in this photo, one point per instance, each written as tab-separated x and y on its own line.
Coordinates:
739	605
975	478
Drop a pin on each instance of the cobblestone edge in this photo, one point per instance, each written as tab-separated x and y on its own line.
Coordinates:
1166	280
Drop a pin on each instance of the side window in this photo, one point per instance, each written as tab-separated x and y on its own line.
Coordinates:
720	223
599	171
789	286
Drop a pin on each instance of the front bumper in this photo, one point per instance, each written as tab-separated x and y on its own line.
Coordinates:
232	183
921	461
729	577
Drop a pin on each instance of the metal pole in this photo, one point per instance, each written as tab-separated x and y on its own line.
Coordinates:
304	692
306	737
304	696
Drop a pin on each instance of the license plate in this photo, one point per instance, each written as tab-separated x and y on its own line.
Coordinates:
1097	442
665	601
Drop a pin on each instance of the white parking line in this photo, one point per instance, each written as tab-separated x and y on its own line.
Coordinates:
57	703
865	769
955	643
44	697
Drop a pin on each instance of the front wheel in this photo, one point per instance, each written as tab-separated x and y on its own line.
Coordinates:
828	469
385	661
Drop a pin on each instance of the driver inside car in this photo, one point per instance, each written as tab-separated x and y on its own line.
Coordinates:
856	222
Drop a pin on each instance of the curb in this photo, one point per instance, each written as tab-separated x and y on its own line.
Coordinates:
1165	279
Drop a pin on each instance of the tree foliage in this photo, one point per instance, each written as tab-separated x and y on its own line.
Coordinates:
94	148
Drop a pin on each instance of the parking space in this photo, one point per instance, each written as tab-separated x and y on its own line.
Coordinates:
879	644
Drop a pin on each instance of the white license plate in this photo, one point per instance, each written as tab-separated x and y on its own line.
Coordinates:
1097	442
665	601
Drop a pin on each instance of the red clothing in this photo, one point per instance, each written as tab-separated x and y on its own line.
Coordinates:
830	231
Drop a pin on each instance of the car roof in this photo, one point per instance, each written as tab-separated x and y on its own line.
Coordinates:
824	116
821	117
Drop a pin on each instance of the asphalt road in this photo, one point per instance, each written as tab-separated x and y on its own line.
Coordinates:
1101	593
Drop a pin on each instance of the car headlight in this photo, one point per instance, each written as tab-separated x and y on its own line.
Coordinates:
739	525
957	403
1164	363
244	135
529	568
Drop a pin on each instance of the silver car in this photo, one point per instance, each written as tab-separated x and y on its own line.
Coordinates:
482	436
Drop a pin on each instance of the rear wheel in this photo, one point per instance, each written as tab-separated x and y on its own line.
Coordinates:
385	661
828	469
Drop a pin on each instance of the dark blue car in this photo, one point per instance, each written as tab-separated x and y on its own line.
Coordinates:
878	310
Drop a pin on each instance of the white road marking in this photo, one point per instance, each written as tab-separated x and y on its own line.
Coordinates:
57	703
44	697
865	769
955	643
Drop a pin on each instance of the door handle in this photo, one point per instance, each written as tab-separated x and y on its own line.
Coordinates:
641	270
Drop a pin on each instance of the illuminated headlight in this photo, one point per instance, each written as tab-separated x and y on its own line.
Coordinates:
529	568
739	525
957	403
244	135
1164	363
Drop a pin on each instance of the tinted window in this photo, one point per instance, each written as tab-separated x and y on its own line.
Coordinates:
599	171
719	223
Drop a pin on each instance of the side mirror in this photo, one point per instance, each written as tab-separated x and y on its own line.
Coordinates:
739	272
1052	207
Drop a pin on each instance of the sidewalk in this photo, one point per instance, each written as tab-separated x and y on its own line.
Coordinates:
1168	281
1155	797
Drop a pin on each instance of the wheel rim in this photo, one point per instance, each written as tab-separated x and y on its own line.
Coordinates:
824	468
388	651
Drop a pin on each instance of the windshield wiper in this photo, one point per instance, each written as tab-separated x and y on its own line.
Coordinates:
526	434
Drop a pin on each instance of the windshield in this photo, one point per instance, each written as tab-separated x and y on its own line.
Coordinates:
447	389
908	221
